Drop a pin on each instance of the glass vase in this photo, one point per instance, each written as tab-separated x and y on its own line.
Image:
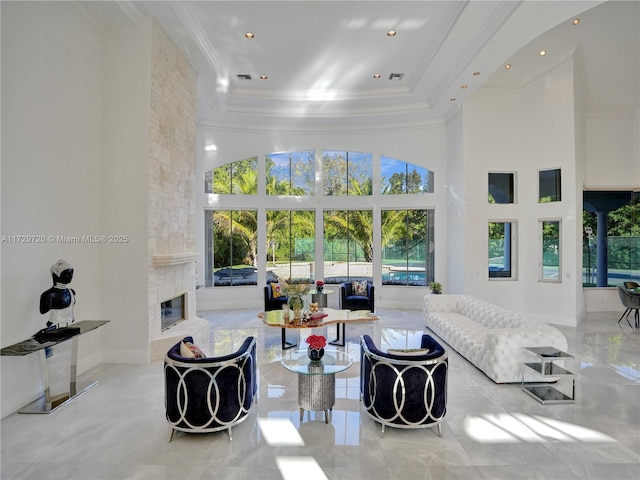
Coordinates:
296	304
315	354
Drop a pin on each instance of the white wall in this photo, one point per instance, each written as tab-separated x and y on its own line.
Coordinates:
51	167
124	193
581	105
75	129
456	192
612	160
522	131
421	145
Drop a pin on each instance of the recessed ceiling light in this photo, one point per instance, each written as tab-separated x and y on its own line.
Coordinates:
507	66
464	87
543	53
249	35
211	148
391	33
263	77
476	73
452	99
576	21
376	76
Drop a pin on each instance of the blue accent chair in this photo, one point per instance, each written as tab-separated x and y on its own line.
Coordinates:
205	395
271	303
404	391
350	301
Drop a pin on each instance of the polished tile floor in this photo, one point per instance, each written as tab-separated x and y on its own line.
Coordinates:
117	429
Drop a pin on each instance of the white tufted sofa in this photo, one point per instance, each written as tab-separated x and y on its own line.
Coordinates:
488	336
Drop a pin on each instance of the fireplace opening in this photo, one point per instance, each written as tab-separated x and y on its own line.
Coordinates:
172	311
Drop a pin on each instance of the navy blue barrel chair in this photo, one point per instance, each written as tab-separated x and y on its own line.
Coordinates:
349	300
404	391
205	395
271	303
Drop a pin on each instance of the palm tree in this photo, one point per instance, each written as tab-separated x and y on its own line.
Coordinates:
241	225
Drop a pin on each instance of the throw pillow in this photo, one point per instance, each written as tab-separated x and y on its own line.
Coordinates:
189	350
276	290
409	352
359	288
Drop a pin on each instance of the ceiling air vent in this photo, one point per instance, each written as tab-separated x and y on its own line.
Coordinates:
244	76
396	76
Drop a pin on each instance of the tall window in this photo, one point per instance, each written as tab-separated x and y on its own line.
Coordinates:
290	236
291	245
407	247
549	186
291	173
502	188
502	249
347	173
231	242
550	264
239	178
400	177
348	245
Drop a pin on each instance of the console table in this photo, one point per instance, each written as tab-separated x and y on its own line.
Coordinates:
49	402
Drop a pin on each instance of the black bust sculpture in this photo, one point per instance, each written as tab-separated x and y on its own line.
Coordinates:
59	299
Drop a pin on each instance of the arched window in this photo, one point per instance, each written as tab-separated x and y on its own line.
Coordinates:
291	173
400	177
237	178
309	233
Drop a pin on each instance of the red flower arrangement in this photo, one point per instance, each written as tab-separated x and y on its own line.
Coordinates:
316	341
319	283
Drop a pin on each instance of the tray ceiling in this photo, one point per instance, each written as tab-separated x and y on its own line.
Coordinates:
320	57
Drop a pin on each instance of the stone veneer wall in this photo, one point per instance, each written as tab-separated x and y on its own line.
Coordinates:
171	176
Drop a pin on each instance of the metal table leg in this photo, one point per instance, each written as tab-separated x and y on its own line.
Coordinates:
340	336
51	401
286	345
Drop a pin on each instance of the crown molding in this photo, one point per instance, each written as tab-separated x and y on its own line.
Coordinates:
440	34
500	15
343	129
193	27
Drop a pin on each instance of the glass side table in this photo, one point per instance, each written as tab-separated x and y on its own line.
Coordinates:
320	297
316	380
546	371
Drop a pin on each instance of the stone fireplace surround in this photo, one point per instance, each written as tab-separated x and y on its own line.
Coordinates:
171	195
172	275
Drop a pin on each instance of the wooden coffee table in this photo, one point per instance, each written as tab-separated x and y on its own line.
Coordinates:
274	318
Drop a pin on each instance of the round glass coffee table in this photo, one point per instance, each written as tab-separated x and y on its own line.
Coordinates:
316	380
